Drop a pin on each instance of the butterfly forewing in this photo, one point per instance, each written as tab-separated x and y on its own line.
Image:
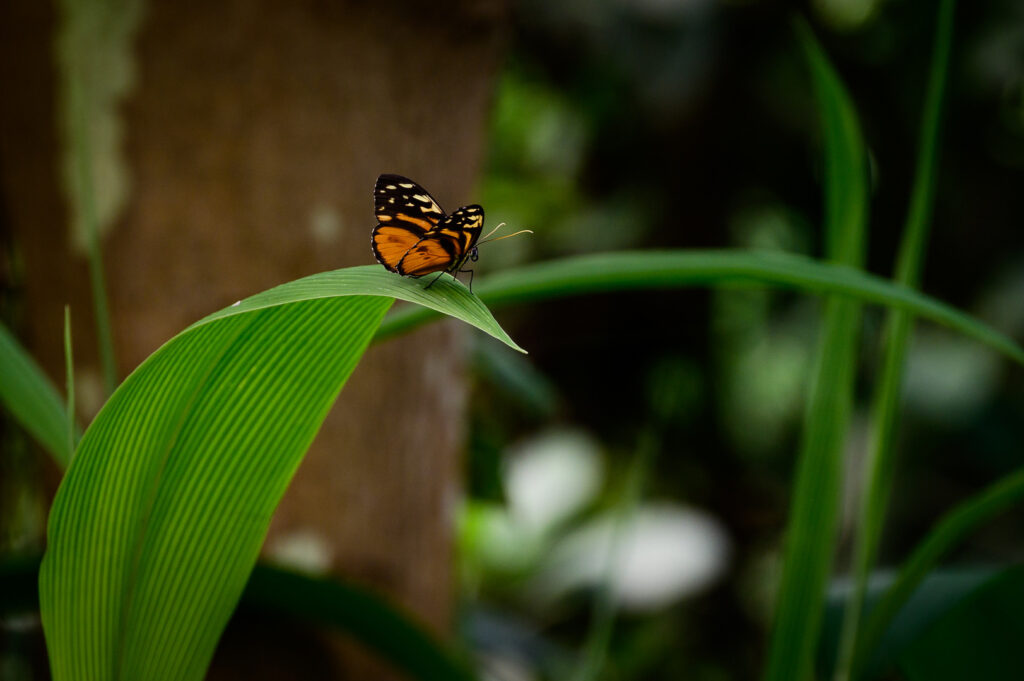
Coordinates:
399	200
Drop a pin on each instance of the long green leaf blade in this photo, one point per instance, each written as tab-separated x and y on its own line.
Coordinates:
31	398
160	517
638	270
811	533
366	617
879	462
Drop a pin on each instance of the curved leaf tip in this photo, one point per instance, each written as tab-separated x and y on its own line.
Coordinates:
447	296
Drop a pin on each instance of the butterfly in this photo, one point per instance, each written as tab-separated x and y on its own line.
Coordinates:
414	236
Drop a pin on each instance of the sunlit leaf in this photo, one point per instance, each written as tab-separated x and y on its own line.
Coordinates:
366	617
162	513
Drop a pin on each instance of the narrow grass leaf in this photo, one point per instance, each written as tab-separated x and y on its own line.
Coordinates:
811	532
31	398
162	513
643	270
879	462
366	617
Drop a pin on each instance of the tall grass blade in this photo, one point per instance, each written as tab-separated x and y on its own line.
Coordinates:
641	270
880	460
32	399
811	533
160	517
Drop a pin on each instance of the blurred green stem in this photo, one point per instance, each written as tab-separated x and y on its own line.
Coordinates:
602	622
879	463
69	377
82	150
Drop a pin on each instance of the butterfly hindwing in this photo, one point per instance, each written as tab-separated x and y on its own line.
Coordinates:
405	213
431	254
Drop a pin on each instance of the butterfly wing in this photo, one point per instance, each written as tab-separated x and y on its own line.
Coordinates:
406	213
461	229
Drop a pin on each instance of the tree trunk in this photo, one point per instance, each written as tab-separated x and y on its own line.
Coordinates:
252	139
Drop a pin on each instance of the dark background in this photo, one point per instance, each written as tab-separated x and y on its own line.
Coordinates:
692	125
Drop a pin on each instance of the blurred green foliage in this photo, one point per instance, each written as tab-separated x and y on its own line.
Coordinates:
691	125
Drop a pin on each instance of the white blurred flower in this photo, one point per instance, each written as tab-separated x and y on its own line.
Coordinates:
551	477
664	553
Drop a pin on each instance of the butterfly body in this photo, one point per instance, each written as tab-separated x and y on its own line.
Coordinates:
414	236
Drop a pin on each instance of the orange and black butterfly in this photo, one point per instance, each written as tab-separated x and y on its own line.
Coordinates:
414	236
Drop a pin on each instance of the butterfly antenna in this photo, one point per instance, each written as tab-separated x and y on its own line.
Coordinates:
508	236
489	234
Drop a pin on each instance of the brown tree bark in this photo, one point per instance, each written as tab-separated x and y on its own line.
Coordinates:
253	136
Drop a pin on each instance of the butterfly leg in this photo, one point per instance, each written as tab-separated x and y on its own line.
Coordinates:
470	279
440	274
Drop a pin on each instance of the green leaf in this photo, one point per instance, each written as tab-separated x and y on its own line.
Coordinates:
947	533
366	617
447	296
978	638
811	533
162	513
393	635
639	270
880	460
31	398
514	376
937	593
